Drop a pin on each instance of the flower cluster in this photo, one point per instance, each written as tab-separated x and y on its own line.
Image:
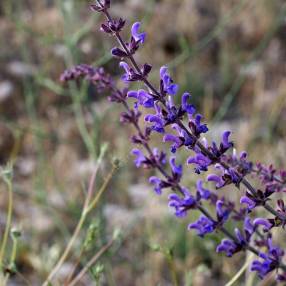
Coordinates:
96	76
182	127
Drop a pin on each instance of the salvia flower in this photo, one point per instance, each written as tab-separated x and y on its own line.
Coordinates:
222	211
249	202
219	182
203	226
140	158
241	163
269	261
228	246
177	141
248	228
197	126
158	184
130	75
156	119
159	156
139	37
167	82
274	181
143	97
266	225
202	162
188	107
176	170
182	204
203	193
226	144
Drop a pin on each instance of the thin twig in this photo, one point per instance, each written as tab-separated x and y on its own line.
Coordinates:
88	206
91	262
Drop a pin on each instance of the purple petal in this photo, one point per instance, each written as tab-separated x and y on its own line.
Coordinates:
250	203
225	140
217	179
163	71
132	93
189	108
264	222
176	169
135	33
125	66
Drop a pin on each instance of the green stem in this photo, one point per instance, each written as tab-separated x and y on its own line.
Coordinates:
81	124
100	192
86	209
91	262
8	223
67	250
173	270
12	258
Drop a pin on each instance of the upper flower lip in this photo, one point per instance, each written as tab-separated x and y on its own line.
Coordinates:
169	86
139	37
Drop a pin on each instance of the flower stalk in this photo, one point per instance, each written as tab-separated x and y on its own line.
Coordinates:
187	129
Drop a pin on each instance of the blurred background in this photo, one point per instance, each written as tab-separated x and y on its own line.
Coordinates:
230	54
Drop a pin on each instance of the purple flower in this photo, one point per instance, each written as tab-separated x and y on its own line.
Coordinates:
167	82
228	246
248	228
235	178
143	97
159	156
140	158
157	120
274	181
197	127
222	211
263	268
130	74
270	260
240	236
139	37
249	202
158	184
176	170
187	107
177	142
217	179
241	164
182	205
185	138
264	223
225	140
203	193
203	226
201	161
